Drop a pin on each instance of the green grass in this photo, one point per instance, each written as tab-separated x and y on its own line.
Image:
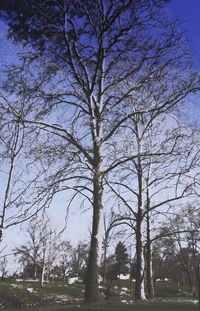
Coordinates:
72	290
162	289
157	306
54	293
15	296
13	293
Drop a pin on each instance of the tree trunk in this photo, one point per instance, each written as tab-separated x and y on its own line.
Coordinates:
107	292
104	260
190	283
139	282
149	267
149	272
91	286
42	276
43	267
35	271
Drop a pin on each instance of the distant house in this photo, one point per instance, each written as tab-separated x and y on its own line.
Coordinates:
100	279
72	280
124	276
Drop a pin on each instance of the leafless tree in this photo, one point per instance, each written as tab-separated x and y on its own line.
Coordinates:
160	175
65	258
90	59
113	230
3	266
20	199
184	229
41	249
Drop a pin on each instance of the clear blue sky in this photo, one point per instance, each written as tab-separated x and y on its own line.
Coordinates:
188	13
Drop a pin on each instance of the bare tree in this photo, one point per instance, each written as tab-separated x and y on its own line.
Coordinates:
112	232
3	266
184	229
161	174
20	199
80	258
41	249
90	58
65	258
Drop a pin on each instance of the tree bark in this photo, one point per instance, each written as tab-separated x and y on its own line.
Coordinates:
104	261
42	276
140	267
139	282
149	264
91	286
43	267
149	268
35	270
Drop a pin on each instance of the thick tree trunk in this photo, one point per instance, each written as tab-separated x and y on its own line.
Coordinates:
139	282
91	286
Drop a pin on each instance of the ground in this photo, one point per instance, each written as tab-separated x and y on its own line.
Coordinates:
158	306
56	296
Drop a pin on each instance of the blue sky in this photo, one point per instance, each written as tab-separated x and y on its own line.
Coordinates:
188	13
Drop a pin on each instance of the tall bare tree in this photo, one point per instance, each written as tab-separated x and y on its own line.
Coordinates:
90	58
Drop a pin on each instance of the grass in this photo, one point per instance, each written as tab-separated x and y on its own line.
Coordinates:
162	289
53	294
72	290
15	296
157	306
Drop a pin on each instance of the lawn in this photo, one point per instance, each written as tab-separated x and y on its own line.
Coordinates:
58	297
157	306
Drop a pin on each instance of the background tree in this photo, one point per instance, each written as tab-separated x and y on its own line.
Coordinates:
20	199
116	264
79	259
3	266
41	249
65	258
160	174
113	231
121	258
183	232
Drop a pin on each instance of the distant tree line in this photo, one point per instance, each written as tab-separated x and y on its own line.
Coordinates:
46	257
